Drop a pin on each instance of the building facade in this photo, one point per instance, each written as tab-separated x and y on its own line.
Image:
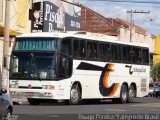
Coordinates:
18	22
156	56
94	22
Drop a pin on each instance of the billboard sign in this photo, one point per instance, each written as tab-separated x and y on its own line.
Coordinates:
37	17
55	15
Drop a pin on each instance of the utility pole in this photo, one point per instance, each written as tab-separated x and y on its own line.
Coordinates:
131	20
5	66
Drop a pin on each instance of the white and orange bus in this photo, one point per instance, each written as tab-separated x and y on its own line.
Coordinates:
78	66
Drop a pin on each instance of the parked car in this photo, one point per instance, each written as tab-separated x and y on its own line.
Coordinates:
151	89
6	105
156	91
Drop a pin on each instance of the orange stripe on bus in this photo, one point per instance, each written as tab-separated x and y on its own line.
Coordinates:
105	79
106	76
114	89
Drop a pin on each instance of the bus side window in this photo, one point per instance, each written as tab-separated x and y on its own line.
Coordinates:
95	50
102	52
137	55
82	49
119	53
76	48
66	46
108	52
127	54
124	50
65	66
92	51
116	52
89	49
130	54
113	47
145	56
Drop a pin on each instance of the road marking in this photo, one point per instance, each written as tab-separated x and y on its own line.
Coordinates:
147	105
157	105
155	109
115	110
55	116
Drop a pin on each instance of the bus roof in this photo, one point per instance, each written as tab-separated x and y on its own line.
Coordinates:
83	35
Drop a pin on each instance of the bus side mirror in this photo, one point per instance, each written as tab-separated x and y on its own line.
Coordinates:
3	91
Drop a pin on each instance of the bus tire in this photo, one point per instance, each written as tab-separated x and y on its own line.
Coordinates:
123	94
75	95
131	94
33	101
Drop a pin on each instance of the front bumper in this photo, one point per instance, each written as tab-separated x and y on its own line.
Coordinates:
29	93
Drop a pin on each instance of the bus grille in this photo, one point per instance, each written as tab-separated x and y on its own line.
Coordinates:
25	87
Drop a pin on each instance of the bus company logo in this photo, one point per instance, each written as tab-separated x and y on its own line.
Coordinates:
29	86
130	69
135	69
104	88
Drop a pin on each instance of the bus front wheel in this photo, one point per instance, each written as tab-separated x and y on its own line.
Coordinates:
75	95
33	101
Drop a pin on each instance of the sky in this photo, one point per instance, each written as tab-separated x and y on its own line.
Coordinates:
150	22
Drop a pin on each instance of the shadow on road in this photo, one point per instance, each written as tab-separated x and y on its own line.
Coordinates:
62	103
49	117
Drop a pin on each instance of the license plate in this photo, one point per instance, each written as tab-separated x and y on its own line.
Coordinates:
29	94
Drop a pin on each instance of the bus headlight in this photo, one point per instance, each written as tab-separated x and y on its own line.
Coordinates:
13	93
13	86
48	87
48	94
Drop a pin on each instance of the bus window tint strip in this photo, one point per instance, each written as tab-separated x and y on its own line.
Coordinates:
44	44
109	52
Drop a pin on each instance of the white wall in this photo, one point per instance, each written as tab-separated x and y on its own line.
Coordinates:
137	38
13	13
2	4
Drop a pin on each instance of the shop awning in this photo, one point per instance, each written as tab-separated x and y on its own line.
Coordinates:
11	32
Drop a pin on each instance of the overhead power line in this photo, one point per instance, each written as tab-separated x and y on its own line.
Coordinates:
129	1
131	19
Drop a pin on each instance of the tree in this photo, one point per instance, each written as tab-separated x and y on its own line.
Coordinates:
155	72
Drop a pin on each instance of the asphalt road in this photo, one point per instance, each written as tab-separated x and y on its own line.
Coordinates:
142	108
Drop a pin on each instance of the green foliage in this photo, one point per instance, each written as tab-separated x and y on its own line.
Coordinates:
155	72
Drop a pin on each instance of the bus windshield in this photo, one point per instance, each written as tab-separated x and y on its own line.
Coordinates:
33	65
